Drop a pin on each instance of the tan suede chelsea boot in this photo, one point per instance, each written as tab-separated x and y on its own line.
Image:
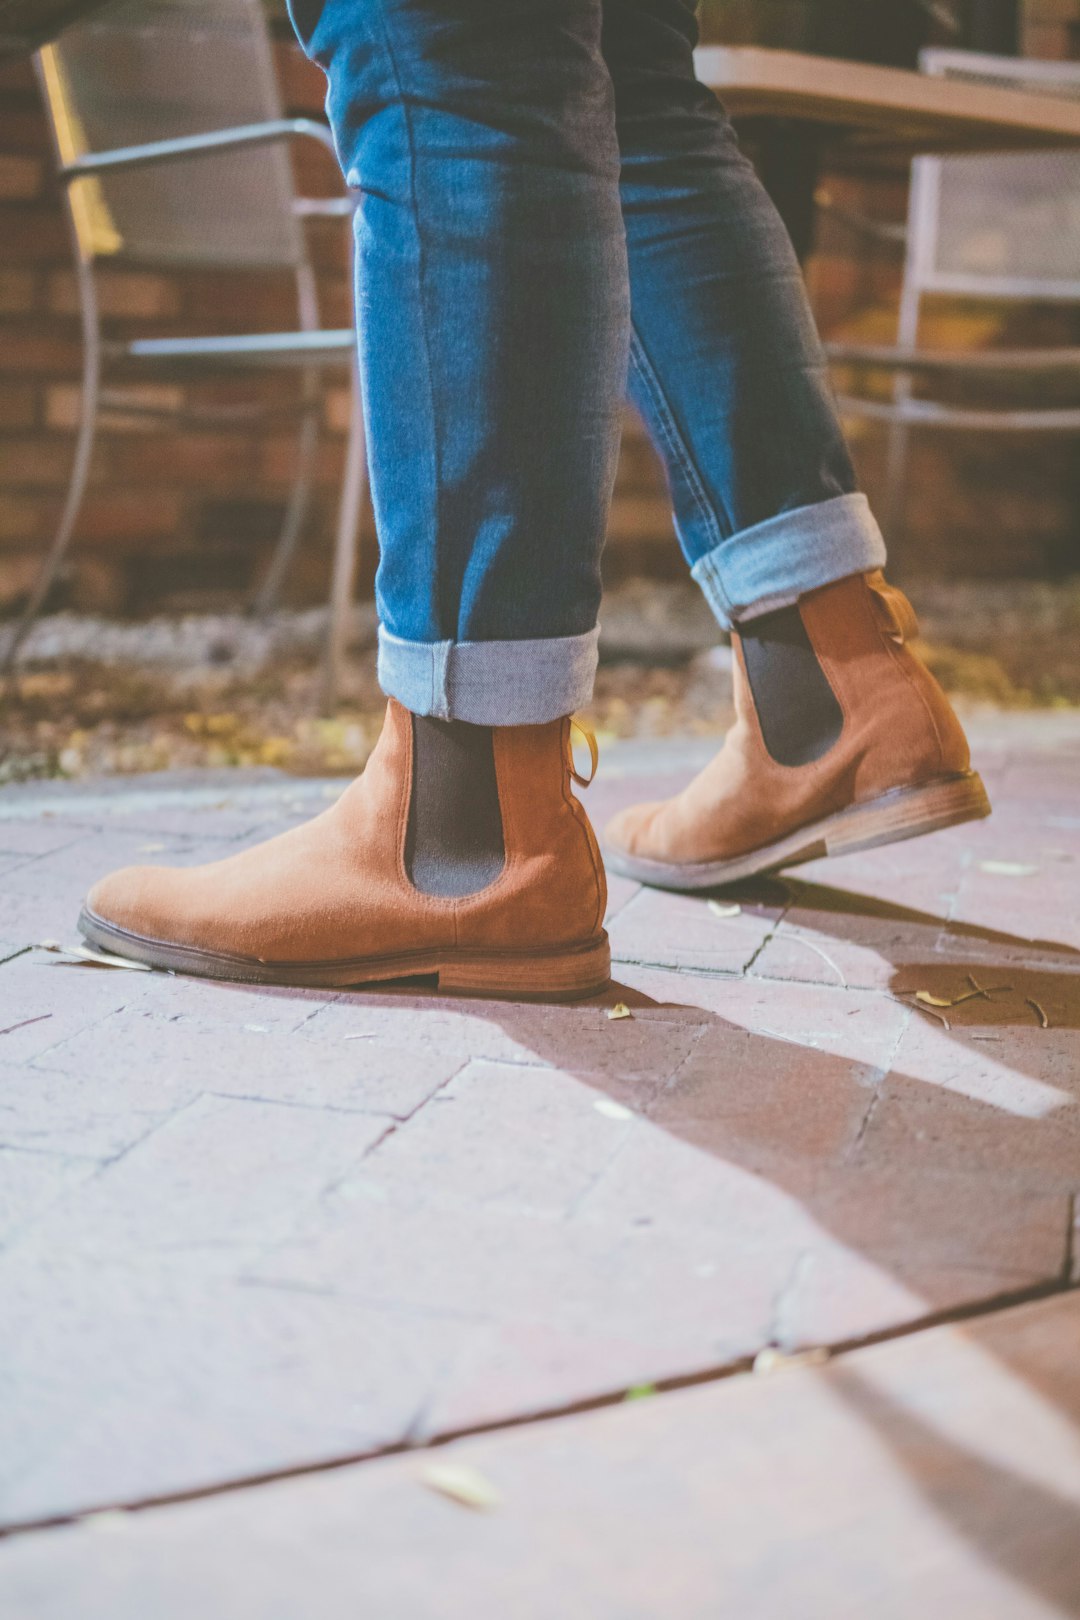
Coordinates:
842	740
460	851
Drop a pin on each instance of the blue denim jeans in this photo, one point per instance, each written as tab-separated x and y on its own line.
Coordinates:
552	209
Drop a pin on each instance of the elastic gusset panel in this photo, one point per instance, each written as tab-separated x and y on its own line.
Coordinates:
797	709
454	839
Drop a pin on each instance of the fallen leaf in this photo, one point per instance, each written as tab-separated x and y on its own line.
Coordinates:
106	1520
612	1110
105	958
620	1010
1007	868
718	909
772	1360
932	1001
462	1483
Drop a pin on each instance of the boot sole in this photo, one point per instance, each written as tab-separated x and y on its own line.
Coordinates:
567	973
895	816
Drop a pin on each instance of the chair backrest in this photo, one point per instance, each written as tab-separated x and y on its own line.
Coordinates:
1005	225
153	70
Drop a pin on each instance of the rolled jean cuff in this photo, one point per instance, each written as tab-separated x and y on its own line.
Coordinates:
490	683
774	563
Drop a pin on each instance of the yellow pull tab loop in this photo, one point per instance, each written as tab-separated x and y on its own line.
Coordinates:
594	752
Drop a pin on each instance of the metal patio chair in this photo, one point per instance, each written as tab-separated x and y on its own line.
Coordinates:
1003	227
172	153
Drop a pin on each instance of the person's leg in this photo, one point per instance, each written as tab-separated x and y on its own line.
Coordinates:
726	365
493	311
493	314
729	374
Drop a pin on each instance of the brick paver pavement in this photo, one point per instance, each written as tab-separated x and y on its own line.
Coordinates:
249	1231
936	1477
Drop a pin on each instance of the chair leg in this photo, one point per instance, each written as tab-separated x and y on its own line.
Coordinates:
346	552
266	598
896	463
80	468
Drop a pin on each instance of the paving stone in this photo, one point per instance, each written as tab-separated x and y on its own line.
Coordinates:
565	1309
22	845
991	1095
45	999
852	1023
581	1039
30	1182
77	1113
216	1186
217	1004
691	1183
27	840
534	1364
862	926
364	1076
507	1136
772	1107
937	1476
911	1242
131	1382
661	929
1014	919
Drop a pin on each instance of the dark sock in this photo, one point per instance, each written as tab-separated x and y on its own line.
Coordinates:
797	708
454	840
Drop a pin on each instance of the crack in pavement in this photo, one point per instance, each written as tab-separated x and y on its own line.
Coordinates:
723	1371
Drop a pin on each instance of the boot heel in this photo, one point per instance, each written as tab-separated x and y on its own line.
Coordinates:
908	813
571	974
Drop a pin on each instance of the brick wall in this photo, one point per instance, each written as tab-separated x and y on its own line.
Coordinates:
174	518
1051	28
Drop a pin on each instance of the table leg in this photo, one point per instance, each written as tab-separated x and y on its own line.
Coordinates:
994	26
788	159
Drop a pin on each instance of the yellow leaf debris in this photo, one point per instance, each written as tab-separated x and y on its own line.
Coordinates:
462	1483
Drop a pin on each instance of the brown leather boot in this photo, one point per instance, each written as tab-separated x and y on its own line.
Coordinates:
366	891
859	747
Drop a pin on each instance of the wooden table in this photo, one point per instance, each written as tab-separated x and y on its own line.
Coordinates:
799	107
885	107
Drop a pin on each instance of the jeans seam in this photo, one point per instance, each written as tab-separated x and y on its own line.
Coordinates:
421	276
677	445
